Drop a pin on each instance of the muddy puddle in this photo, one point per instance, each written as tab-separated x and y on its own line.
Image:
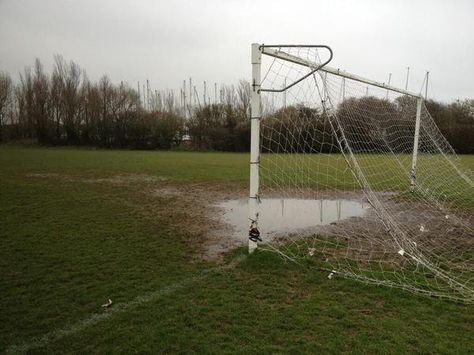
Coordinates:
282	216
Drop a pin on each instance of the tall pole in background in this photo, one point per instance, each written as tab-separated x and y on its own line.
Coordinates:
325	88
255	108
408	76
204	94
148	94
138	89
190	92
426	87
215	93
389	81
184	98
343	89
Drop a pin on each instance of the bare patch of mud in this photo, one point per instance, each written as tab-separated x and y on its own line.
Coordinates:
166	191
121	179
198	211
388	227
210	236
128	179
43	175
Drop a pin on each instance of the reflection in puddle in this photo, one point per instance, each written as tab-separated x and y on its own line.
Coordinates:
278	216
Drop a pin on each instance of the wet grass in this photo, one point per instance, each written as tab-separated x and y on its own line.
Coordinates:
77	228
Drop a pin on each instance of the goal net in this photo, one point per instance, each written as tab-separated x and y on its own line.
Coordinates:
358	177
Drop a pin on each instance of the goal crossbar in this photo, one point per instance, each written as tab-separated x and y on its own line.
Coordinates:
327	69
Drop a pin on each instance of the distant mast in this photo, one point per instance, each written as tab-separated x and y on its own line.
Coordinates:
426	87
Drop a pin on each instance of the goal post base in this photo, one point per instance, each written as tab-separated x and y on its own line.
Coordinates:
252	246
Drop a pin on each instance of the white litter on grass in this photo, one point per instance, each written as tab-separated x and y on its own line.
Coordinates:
331	274
401	252
311	251
108	304
423	229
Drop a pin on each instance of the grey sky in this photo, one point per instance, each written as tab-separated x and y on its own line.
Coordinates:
168	41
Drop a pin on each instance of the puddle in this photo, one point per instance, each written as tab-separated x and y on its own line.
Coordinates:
281	216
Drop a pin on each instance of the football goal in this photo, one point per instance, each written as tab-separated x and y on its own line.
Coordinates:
368	186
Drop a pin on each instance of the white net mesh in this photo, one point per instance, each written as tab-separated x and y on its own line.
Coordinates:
340	153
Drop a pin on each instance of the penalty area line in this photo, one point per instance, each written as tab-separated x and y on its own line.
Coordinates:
119	308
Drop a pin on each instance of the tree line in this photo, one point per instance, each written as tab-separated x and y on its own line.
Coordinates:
66	108
368	124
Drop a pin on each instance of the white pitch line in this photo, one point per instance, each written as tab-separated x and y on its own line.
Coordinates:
115	309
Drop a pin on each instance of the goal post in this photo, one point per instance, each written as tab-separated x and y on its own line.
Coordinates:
255	109
323	137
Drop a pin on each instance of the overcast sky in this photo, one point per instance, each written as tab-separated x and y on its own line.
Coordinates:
168	41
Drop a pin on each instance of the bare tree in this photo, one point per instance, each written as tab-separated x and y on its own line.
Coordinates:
40	102
25	96
229	95
5	100
170	101
56	107
104	125
71	101
243	93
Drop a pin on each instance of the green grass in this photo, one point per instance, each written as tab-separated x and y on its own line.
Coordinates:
178	166
71	238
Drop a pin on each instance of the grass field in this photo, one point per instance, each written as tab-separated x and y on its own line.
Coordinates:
79	226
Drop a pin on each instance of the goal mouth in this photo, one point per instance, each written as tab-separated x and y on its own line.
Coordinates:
318	131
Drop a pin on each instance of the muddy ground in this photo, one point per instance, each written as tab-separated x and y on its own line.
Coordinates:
416	228
421	227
